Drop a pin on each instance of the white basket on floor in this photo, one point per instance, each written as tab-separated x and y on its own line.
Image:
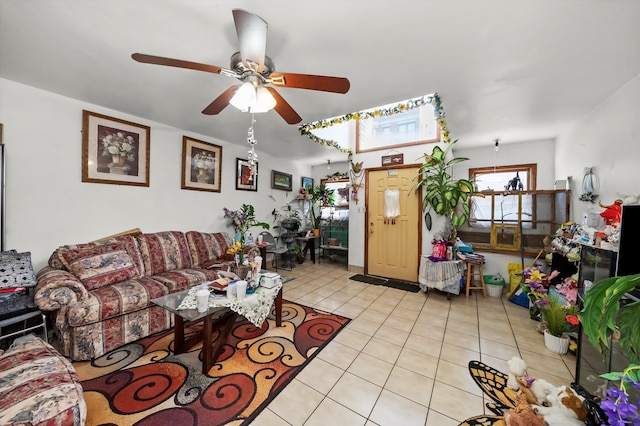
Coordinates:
494	290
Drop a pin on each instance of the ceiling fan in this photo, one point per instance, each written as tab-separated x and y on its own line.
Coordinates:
256	70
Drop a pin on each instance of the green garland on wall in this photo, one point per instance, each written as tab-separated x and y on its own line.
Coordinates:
434	99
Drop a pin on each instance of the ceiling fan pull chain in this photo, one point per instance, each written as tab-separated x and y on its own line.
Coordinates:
253	156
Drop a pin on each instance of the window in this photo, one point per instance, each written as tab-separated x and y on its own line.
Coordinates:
409	126
520	177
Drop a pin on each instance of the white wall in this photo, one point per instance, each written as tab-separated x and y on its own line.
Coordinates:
47	204
608	139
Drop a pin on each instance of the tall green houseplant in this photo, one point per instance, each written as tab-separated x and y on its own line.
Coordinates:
320	196
441	193
603	314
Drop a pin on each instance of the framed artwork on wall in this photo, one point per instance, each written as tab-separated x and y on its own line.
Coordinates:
114	151
280	180
201	165
307	183
393	160
245	181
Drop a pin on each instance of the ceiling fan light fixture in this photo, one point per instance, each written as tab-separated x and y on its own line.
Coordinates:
264	100
245	97
249	98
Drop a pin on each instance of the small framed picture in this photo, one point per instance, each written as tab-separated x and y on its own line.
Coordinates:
307	183
245	180
281	180
201	165
393	160
114	151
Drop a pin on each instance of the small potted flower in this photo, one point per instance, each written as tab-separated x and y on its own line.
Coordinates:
559	319
242	220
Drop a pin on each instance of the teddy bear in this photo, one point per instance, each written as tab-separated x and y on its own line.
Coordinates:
523	414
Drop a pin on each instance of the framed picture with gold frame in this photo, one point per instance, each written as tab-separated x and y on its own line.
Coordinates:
201	165
114	151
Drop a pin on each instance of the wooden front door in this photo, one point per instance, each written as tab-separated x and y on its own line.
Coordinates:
393	246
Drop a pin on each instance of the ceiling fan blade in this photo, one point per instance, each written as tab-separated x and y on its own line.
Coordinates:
159	60
252	35
221	101
311	82
284	109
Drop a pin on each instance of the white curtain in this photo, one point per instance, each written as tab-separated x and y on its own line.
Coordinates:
391	205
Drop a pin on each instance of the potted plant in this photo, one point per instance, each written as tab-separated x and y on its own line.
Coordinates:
242	220
320	196
287	218
607	316
441	193
558	318
296	252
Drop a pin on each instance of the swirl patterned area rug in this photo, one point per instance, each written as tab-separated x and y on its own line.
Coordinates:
145	383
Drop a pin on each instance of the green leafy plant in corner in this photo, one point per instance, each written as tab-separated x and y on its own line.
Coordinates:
603	316
440	191
554	315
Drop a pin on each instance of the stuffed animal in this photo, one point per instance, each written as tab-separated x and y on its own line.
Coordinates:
523	414
518	380
566	408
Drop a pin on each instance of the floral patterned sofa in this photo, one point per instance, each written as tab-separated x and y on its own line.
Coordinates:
101	292
39	386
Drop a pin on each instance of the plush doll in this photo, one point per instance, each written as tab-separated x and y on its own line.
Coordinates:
566	408
523	414
518	380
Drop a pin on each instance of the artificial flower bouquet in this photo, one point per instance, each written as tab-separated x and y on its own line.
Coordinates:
242	220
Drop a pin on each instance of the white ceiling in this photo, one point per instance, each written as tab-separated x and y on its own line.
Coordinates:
518	70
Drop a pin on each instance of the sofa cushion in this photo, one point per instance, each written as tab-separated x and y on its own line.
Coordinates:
182	279
164	251
99	265
114	300
206	247
39	386
130	243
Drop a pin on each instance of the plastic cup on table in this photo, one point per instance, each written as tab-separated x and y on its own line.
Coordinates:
202	300
241	289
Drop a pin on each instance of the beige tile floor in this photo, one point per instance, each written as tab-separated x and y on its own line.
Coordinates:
402	360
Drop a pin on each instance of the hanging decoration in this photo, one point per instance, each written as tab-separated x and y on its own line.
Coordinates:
391	206
589	183
253	156
357	176
434	99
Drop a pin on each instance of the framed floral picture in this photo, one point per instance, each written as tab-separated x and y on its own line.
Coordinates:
114	151
281	180
201	165
245	180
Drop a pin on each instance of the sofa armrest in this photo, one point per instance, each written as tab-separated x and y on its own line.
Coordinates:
57	288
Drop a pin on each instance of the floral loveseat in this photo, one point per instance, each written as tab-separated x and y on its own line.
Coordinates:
101	292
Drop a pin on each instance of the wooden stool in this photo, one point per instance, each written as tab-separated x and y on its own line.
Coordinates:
474	268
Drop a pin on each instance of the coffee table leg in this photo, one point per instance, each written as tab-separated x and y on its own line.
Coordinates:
210	353
279	308
178	334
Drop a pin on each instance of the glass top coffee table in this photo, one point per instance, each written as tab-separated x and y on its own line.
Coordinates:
222	318
219	318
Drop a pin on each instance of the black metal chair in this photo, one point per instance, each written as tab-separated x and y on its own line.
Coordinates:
273	248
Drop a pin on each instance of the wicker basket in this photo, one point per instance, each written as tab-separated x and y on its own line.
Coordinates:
241	271
332	242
